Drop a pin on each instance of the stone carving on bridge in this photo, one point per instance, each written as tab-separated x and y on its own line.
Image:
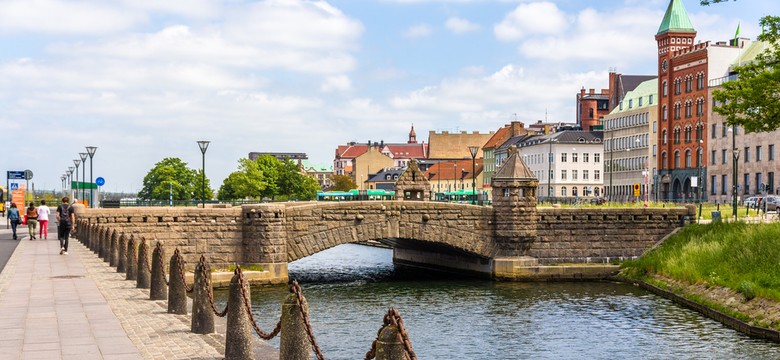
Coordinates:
514	204
412	184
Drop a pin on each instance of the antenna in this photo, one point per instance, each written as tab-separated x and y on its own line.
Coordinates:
515	116
545	114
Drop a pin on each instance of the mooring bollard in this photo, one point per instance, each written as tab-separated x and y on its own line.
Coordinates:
294	340
238	335
102	245
96	242
131	261
113	255
144	277
157	288
107	251
202	314
93	237
121	255
389	345
177	289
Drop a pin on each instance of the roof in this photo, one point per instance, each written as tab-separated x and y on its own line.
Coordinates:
514	168
382	175
644	90
310	167
407	151
630	82
749	53
350	151
565	137
676	19
453	170
500	135
514	140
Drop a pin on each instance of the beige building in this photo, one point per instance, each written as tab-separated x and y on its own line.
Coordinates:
630	145
370	162
446	145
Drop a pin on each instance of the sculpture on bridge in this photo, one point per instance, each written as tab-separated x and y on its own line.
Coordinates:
412	184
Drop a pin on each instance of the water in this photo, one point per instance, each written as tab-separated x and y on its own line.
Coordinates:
350	288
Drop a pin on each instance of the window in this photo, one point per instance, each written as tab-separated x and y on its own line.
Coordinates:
654	150
574	191
688	109
714	130
677	135
655	127
563	191
677	159
573	157
759	154
663	112
771	152
630	103
506	192
725	130
663	141
650	100
574	175
747	184
563	157
712	157
563	175
712	184
758	182
700	107
723	156
770	185
746	154
677	111
700	83
663	160
688	158
585	175
552	174
723	184
677	86
689	84
596	157
597	175
585	157
590	113
664	90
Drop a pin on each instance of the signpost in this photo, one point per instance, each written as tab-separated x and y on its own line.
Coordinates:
12	175
636	189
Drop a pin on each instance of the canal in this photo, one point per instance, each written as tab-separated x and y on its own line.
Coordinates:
350	288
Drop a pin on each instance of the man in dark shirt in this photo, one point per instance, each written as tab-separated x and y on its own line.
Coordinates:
67	221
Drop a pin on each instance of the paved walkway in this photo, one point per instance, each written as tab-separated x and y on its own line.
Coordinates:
77	307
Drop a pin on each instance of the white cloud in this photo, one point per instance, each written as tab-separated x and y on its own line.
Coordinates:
416	31
60	17
336	83
530	19
460	26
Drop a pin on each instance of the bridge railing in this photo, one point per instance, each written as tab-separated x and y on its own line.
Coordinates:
297	340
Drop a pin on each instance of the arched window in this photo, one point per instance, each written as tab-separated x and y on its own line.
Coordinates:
700	107
677	108
688	109
689	83
677	159
688	158
664	89
663	138
663	160
688	133
574	191
677	86
563	191
677	135
664	113
699	81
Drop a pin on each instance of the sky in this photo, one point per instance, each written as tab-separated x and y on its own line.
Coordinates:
145	79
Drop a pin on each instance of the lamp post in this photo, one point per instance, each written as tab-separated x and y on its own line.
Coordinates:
91	151
62	178
735	155
549	169
699	183
83	174
203	145
611	161
70	177
77	162
473	150
438	175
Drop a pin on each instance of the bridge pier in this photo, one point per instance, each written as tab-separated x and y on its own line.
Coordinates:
445	261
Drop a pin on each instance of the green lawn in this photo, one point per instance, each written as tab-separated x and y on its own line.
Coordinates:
706	211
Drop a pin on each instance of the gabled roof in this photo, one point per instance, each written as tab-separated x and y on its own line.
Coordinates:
497	138
382	175
350	151
407	151
630	82
514	169
676	19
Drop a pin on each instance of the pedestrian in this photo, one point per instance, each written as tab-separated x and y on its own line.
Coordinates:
14	218
66	222
43	220
32	219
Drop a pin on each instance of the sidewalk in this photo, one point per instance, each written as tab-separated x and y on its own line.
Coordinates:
76	307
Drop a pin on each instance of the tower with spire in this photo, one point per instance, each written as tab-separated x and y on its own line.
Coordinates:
412	136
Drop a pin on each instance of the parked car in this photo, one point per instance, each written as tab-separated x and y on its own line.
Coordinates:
772	203
598	201
752	202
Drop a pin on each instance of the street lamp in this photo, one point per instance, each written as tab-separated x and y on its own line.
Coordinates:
203	145
62	178
549	169
83	174
91	152
735	156
611	161
70	177
699	183
77	162
473	150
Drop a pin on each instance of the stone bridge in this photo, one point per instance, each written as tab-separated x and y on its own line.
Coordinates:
512	239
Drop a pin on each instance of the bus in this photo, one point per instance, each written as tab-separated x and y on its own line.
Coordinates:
356	195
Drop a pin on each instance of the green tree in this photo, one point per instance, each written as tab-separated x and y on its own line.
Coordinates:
342	183
173	175
248	182
268	177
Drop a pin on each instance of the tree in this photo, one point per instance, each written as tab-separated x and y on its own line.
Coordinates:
342	183
171	175
249	182
268	177
753	99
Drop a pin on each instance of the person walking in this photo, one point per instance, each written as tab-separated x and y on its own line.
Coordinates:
14	218
66	220
43	220
32	219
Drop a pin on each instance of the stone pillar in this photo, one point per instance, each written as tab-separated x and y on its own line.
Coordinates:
514	207
389	345
102	248
177	289
238	336
294	341
121	253
144	277
113	249
93	238
202	314
265	238
157	289
130	260
107	245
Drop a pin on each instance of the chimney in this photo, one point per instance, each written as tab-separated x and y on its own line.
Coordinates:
591	91
517	128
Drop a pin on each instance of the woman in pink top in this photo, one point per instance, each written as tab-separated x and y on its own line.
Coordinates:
43	220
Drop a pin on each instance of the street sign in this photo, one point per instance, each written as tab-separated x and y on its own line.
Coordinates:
14	186
636	189
100	181
28	174
15	175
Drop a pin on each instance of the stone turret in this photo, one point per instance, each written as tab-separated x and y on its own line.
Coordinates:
514	207
412	184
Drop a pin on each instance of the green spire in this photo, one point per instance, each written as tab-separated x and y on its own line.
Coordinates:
676	19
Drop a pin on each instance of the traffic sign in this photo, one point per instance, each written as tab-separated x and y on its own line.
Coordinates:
28	174
14	186
100	181
15	175
636	189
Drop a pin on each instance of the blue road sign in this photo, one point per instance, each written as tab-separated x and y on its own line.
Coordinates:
100	181
15	175
14	186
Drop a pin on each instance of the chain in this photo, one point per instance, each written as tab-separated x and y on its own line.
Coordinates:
248	308
207	288
295	288
146	258
393	318
180	265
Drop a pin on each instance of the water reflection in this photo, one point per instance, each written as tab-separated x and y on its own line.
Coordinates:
349	288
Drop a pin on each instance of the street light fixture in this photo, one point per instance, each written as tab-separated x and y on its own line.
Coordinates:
77	162
550	158
735	158
203	145
91	151
70	177
62	178
473	150
83	175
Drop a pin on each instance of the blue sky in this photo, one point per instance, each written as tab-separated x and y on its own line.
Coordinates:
144	79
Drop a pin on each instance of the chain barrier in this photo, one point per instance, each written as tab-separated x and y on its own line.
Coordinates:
207	288
393	318
295	288
180	265
263	335
162	265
